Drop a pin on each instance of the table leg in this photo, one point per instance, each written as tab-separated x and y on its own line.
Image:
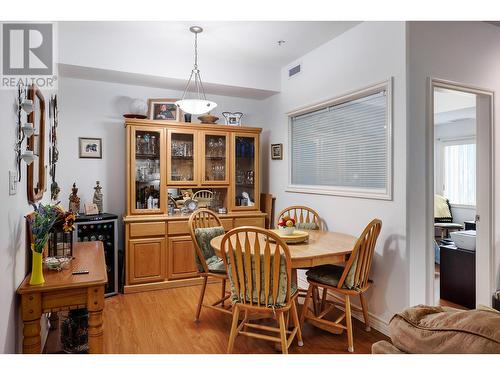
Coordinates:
32	343
95	305
95	332
31	308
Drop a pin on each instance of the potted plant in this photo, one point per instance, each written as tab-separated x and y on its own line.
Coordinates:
286	225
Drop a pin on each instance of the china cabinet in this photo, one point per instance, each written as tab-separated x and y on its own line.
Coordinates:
167	164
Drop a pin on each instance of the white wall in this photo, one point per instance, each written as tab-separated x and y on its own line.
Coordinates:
364	55
464	52
14	254
95	109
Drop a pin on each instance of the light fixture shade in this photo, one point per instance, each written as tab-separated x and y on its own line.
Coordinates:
28	129
27	105
28	157
196	106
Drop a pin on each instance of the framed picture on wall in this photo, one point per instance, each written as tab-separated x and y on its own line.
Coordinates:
163	109
90	148
277	151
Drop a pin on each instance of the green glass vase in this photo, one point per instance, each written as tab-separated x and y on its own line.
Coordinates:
36	269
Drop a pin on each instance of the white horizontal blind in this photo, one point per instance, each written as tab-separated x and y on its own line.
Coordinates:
460	173
343	146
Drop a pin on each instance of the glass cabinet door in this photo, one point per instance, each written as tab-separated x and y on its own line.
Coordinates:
181	168
245	175
147	155
215	158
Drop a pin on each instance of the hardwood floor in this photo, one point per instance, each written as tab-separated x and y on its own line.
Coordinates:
163	322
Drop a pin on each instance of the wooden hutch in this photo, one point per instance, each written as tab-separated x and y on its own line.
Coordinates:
165	156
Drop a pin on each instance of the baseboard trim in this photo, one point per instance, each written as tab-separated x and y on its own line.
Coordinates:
376	322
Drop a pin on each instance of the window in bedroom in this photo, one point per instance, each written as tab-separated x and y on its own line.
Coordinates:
343	146
459	184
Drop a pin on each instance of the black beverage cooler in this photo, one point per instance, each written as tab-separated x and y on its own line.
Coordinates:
101	227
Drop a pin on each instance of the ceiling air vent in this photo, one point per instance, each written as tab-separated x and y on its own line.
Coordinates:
293	71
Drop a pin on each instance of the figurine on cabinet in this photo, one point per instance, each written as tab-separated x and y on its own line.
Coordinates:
98	196
74	200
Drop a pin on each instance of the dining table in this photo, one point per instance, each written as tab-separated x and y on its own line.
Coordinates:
321	247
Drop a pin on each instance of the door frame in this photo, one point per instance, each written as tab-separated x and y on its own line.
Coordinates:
484	280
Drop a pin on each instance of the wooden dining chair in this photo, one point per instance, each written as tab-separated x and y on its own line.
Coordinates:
260	273
349	280
204	225
305	218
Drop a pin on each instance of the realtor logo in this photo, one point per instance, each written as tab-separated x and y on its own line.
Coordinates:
27	54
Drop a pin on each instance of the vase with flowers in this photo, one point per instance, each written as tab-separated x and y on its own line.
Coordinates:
286	225
41	222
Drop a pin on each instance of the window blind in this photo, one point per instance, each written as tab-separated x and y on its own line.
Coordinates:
343	146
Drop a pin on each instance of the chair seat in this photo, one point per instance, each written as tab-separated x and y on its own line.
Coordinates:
328	274
216	265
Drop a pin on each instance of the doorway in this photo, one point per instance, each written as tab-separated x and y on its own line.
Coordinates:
460	247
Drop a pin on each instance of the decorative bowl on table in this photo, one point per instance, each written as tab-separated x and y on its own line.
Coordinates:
286	225
57	264
286	231
297	236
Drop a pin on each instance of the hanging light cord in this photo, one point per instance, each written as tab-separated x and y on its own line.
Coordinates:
200	90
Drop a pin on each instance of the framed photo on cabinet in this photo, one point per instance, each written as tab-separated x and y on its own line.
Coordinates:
163	109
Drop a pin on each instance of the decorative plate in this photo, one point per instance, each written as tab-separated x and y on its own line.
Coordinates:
297	236
191	204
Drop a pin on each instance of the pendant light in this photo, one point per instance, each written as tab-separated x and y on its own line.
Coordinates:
200	105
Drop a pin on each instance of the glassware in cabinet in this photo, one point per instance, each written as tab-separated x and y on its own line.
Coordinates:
182	151
215	158
245	172
147	167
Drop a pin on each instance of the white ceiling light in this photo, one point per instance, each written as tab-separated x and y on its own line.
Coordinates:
201	104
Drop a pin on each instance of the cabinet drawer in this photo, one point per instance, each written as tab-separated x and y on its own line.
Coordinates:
178	227
156	228
249	221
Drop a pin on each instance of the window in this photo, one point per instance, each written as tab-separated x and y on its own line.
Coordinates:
343	147
460	172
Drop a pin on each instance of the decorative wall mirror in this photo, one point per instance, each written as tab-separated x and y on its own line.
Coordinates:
36	143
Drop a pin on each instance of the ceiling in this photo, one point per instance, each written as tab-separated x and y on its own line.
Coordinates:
252	42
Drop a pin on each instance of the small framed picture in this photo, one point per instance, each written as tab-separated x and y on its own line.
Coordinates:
277	151
90	148
163	109
232	118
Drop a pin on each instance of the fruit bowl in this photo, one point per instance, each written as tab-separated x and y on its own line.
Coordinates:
287	231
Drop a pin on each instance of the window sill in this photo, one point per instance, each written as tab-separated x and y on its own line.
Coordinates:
351	192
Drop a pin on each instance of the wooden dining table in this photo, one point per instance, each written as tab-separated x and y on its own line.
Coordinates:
322	247
63	291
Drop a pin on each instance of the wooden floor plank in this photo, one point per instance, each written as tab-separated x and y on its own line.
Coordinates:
163	322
